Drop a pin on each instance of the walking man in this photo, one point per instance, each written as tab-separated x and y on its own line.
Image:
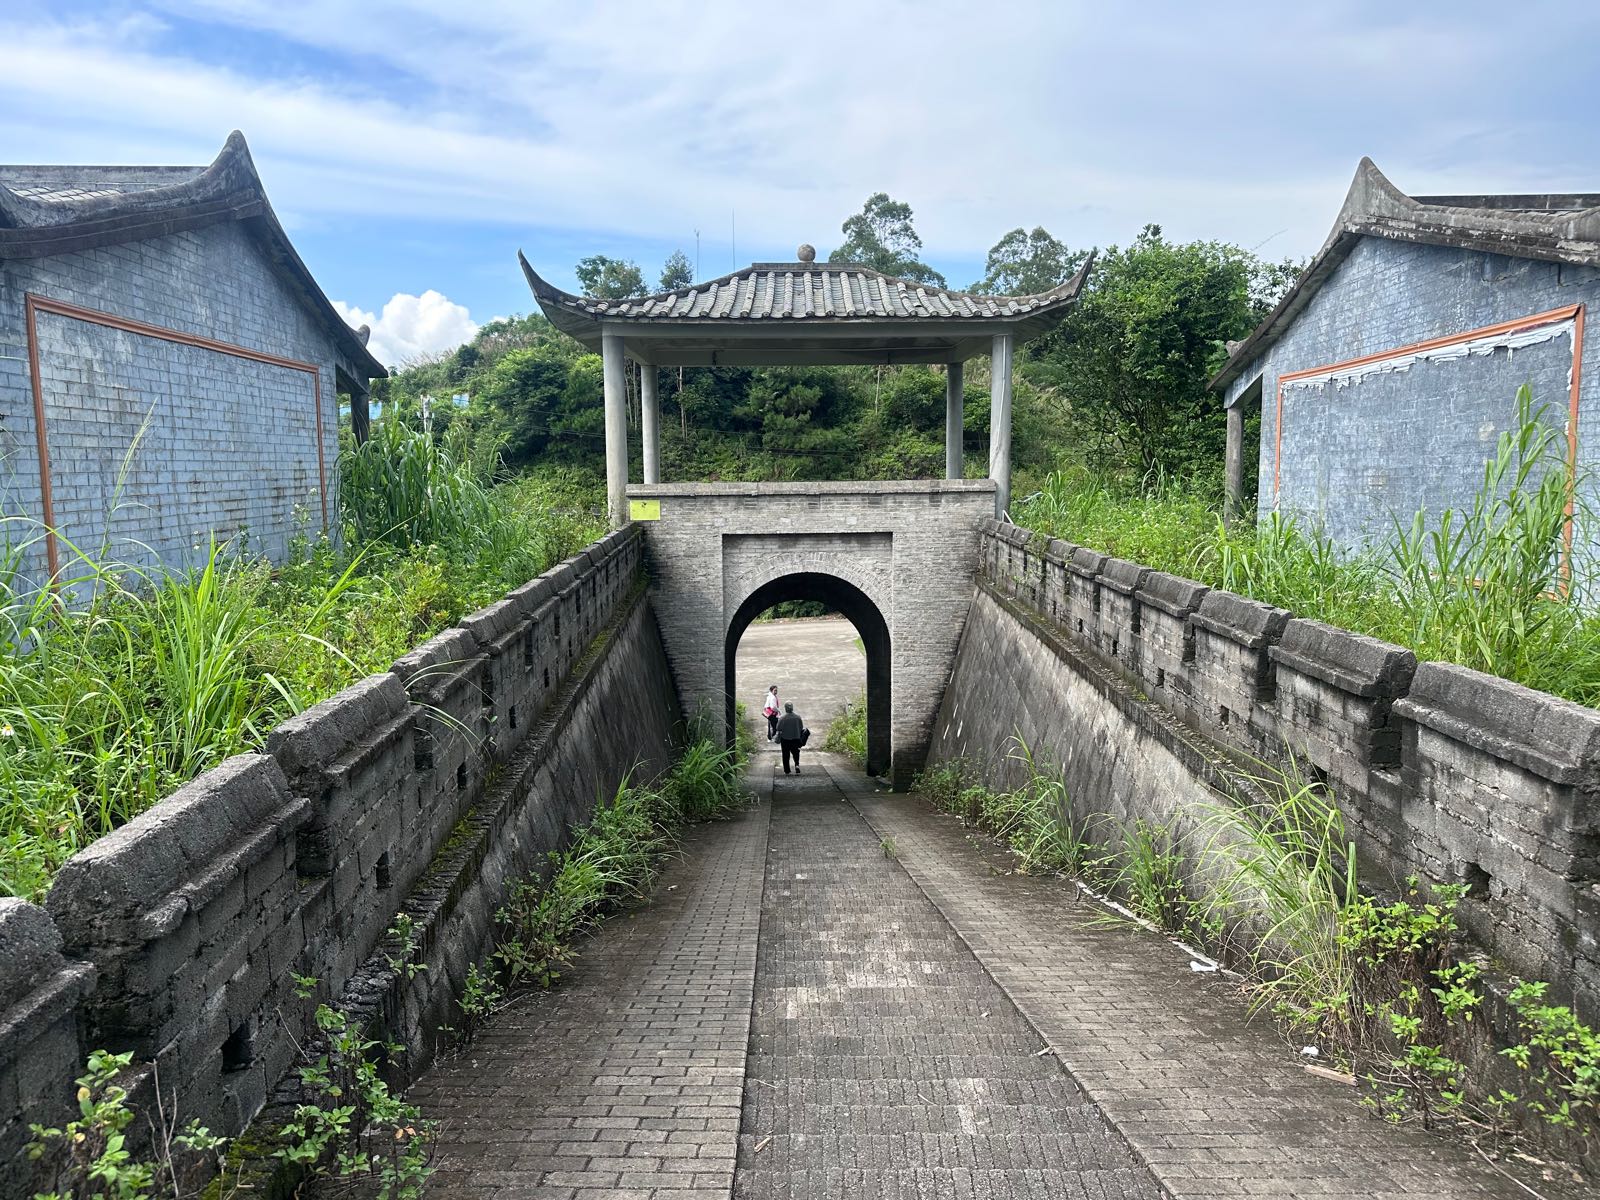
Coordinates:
792	734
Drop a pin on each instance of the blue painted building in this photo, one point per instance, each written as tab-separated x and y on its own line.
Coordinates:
169	369
1387	373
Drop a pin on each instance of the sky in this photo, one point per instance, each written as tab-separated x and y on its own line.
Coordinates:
410	149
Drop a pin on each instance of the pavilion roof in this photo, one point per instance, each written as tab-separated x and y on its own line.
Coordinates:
804	312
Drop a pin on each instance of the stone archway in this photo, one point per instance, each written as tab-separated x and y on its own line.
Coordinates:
861	612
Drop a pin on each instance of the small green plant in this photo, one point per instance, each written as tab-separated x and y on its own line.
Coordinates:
890	850
1561	1056
481	995
89	1159
847	732
354	1128
402	959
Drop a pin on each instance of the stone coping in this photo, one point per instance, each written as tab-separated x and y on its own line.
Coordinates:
861	487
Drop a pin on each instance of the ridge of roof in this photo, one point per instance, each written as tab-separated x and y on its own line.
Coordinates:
1558	227
948	304
58	214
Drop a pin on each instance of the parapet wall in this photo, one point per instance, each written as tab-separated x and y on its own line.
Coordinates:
425	789
1153	692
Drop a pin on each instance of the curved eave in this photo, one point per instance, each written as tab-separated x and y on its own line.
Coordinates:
1374	207
228	190
576	316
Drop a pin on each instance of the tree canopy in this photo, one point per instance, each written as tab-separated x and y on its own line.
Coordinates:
1025	264
610	278
881	236
676	272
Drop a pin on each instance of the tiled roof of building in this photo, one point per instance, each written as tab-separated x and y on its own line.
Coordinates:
1557	227
806	312
49	210
799	290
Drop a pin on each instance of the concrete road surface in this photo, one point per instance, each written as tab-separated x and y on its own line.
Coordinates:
815	663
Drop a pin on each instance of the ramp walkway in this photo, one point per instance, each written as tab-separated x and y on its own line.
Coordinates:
843	994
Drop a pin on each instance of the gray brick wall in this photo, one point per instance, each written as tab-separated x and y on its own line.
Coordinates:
1354	455
229	444
911	547
424	789
1440	772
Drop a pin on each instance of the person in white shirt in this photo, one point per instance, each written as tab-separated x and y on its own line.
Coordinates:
769	709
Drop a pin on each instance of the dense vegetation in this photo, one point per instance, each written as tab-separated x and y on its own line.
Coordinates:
139	682
1489	586
1121	384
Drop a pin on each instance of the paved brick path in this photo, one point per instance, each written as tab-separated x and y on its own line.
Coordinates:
798	1015
624	1080
1218	1106
884	1062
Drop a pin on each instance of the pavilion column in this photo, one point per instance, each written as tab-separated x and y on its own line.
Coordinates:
616	393
650	420
1000	421
1233	495
953	421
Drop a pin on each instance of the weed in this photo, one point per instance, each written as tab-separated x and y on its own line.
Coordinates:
90	1157
847	732
890	850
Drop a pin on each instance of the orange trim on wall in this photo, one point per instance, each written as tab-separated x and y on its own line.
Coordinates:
1572	312
34	304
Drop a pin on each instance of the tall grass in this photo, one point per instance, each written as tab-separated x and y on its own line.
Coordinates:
613	860
1485	585
123	684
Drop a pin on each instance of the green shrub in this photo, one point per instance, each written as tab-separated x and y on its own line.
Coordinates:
847	732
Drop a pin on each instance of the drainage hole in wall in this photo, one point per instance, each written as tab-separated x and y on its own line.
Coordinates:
239	1051
1080	624
1476	879
513	716
1223	715
461	778
547	677
1161	677
385	878
1116	644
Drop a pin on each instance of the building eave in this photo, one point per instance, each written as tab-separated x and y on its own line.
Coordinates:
229	189
1547	228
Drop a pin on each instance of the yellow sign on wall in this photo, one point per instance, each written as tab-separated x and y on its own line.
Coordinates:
644	510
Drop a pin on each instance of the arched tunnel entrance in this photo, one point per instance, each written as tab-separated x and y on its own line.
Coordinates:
861	612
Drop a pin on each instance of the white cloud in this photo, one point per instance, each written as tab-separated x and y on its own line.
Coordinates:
412	327
1242	122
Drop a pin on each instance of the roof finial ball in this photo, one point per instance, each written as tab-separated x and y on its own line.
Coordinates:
806	253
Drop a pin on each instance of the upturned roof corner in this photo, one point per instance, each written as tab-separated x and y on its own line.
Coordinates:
53	209
1554	227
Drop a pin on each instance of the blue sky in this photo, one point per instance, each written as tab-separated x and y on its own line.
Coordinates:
412	148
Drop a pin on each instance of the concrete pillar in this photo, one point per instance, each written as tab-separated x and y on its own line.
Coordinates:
1000	421
616	391
1233	496
952	421
650	420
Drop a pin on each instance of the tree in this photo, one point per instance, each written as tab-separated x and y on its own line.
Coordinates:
882	237
676	272
1025	264
610	278
1132	359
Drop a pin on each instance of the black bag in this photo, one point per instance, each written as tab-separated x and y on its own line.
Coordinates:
805	736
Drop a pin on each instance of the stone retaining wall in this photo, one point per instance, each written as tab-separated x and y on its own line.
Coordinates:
424	789
1133	681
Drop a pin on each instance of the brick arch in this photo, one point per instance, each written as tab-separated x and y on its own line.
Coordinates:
861	610
864	561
